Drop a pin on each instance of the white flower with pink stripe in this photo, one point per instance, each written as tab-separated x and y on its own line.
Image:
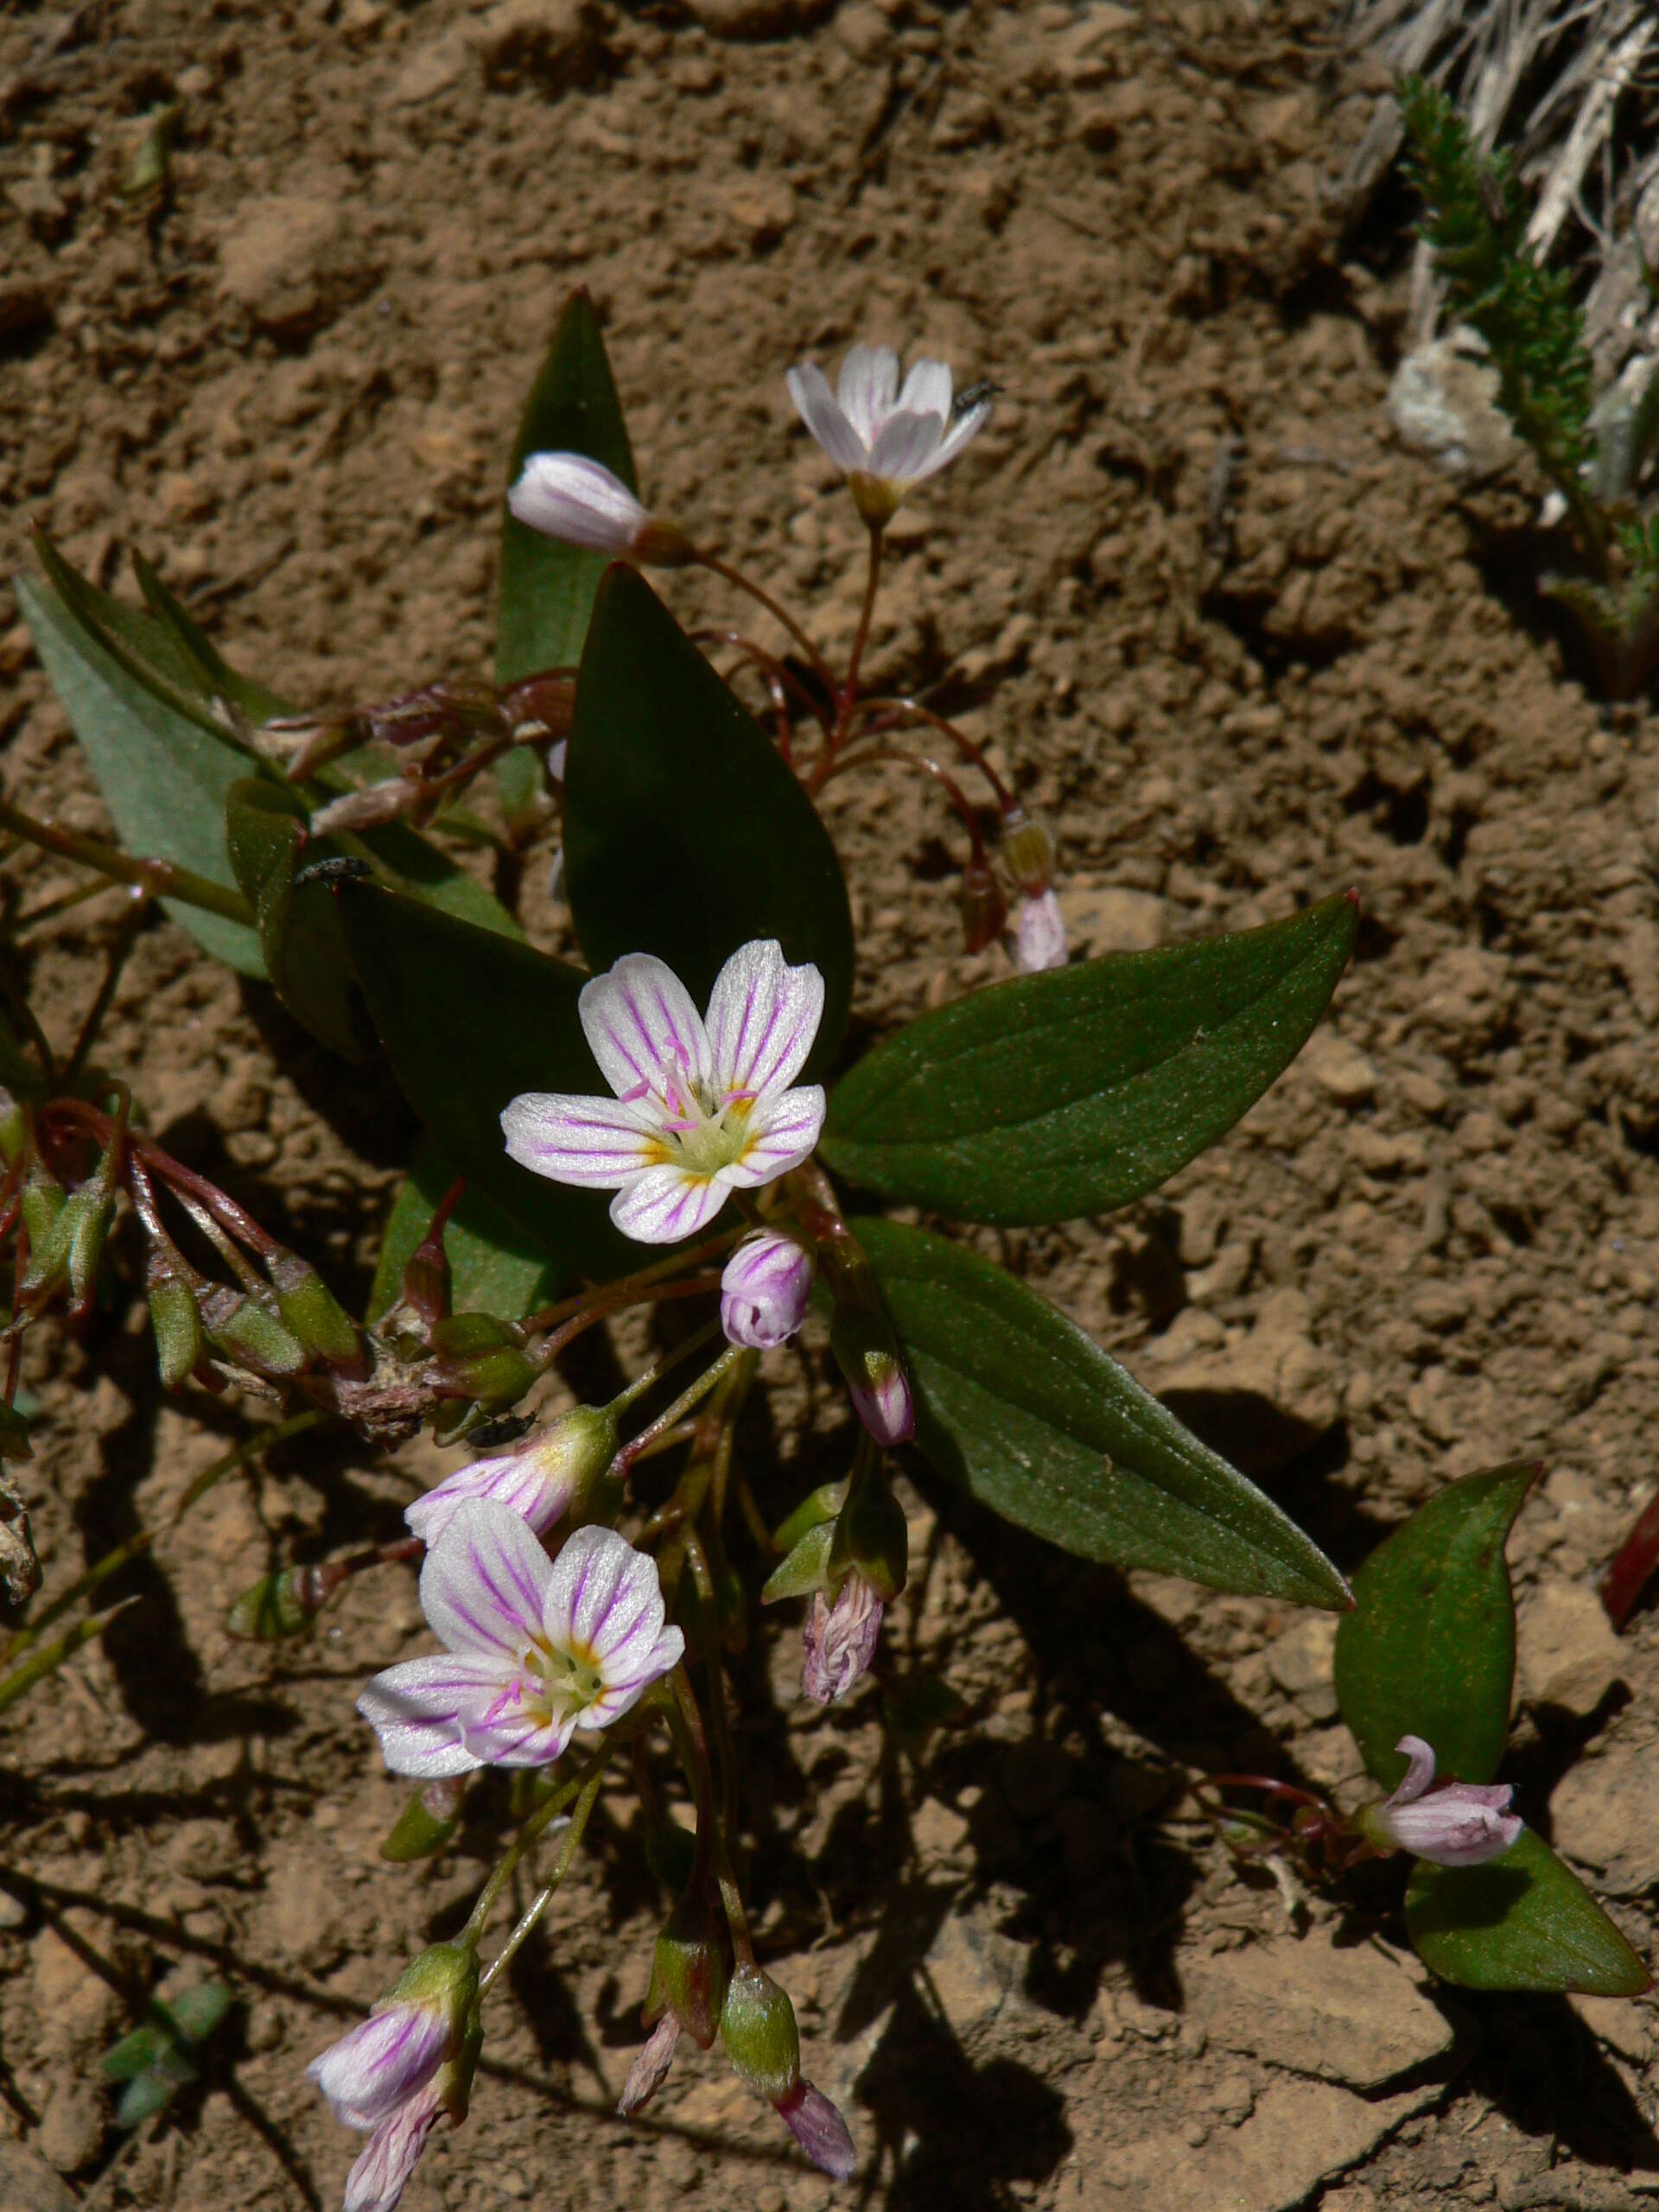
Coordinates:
701	1107
884	439
536	1648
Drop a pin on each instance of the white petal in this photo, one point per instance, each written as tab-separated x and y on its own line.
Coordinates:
382	2171
641	1026
1420	1770
905	449
869	381
602	1591
520	1480
484	1583
927	389
665	1204
964	428
513	1734
763	1016
416	1710
782	1129
815	405
578	500
380	2063
571	1138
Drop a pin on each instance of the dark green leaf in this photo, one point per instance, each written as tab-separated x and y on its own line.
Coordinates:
1429	1648
246	696
1077	1090
494	1267
136	2053
470	1020
1015	1403
425	872
547	590
1521	1922
299	930
684	833
196	2012
164	777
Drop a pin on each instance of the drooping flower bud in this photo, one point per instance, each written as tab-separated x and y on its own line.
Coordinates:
872	1537
249	1335
558	1473
1028	848
758	2029
314	1313
480	1359
420	2024
1458	1824
764	1291
1039	934
690	1969
579	501
862	1341
984	910
175	1321
281	1605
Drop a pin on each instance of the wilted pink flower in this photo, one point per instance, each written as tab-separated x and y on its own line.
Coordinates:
700	1108
819	2129
764	1290
883	439
537	1647
410	2062
579	501
1459	1824
839	1640
540	1480
650	2068
1039	934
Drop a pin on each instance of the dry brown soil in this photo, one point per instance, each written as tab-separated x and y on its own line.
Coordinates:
1245	651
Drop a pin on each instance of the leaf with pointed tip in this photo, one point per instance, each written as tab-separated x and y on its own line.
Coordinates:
1522	1922
684	833
494	1266
248	695
470	1020
1429	1648
165	775
1027	1413
1075	1091
547	590
299	930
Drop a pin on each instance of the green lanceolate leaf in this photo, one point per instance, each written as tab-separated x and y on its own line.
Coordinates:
469	1020
1521	1922
1015	1403
547	590
165	776
1077	1090
1429	1648
684	833
299	930
494	1266
244	694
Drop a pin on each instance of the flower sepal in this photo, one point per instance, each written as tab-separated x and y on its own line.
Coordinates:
690	1969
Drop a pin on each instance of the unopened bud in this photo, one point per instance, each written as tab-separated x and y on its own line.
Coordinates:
43	1202
282	1606
579	501
177	1323
865	1349
480	1359
428	1821
818	1506
1028	848
314	1313
690	1969
984	910
252	1337
85	1226
560	1471
757	2025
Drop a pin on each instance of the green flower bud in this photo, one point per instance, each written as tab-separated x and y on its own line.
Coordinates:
85	1225
1029	847
690	1968
177	1323
314	1314
757	2025
427	1822
44	1203
464	1336
806	1569
283	1605
253	1337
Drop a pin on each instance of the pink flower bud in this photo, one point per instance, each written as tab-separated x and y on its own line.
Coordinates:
881	1400
764	1290
1039	934
1459	1824
579	501
819	2129
838	1642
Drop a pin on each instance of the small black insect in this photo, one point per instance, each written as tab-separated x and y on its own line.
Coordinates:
974	394
333	872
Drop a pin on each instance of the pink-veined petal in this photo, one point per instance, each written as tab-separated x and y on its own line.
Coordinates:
927	390
782	1129
665	1204
641	1026
512	1733
571	1138
908	443
869	382
763	1016
520	1479
577	499
965	427
815	405
370	2071
484	1583
382	2171
1420	1770
415	1708
599	1587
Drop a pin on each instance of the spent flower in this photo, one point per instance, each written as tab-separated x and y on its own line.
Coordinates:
701	1107
579	501
764	1291
1038	934
541	1480
1457	1824
536	1648
884	439
839	1640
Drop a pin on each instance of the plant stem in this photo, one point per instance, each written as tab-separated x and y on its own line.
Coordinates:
21	1680
905	712
594	1773
161	879
641	1384
719	568
693	1395
549	1315
539	1820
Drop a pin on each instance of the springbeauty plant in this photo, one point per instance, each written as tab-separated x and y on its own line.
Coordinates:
1596	453
678	1128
